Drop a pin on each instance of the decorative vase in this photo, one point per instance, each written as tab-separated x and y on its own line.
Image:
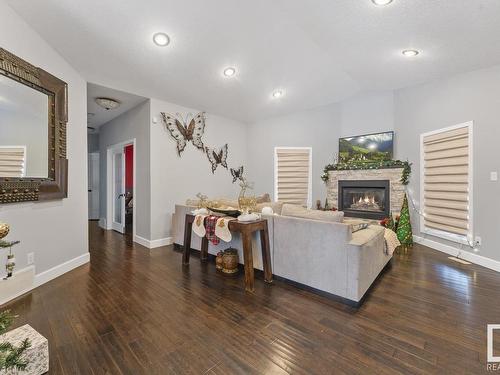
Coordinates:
230	261
4	230
247	204
219	261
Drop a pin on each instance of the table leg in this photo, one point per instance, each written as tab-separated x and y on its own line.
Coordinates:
188	227
266	255
248	257
204	249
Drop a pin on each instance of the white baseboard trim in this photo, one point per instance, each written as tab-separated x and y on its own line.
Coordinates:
25	280
151	244
102	223
462	254
20	283
61	269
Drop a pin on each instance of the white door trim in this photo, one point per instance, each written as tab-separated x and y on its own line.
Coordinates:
109	183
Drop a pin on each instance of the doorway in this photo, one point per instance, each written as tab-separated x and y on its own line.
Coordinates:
93	185
121	192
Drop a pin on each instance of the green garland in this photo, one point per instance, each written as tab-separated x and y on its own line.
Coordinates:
360	165
10	355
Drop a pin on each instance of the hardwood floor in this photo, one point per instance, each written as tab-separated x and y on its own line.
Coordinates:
136	311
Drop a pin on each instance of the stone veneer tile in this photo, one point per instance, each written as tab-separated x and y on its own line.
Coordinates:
391	174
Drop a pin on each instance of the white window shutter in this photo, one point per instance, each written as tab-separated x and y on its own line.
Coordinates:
446	180
293	175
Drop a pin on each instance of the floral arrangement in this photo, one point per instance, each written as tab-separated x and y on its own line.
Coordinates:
358	165
391	222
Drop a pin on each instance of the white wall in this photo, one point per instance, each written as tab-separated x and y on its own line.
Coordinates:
175	179
473	96
55	231
319	128
132	124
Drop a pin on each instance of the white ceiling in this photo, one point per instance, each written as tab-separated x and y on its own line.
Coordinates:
318	51
97	115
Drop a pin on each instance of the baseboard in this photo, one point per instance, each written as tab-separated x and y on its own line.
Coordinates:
462	254
102	223
25	280
151	244
20	283
61	269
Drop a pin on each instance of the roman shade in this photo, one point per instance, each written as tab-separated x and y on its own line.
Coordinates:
293	175
12	161
446	180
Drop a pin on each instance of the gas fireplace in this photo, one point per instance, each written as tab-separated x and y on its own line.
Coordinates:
364	199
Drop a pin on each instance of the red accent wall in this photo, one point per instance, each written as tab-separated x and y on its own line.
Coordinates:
129	167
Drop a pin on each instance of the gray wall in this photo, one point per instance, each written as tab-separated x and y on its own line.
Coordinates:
131	124
175	179
55	231
319	128
93	142
473	96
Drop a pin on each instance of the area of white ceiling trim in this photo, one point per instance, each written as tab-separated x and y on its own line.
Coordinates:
97	115
319	51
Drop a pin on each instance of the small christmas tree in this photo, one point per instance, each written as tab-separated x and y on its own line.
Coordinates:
404	232
10	355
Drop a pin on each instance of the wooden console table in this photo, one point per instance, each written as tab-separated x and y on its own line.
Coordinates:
246	229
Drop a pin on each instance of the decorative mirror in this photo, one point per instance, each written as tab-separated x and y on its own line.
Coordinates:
33	116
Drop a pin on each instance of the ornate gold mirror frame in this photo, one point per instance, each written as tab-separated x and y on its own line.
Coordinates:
56	185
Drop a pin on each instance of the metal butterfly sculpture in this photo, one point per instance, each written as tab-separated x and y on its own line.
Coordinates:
237	174
183	131
217	157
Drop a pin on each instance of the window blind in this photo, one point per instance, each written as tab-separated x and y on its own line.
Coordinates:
446	190
12	161
293	175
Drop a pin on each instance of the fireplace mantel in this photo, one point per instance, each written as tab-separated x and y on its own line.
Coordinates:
391	174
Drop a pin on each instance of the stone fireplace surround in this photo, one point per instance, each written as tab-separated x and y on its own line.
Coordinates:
392	174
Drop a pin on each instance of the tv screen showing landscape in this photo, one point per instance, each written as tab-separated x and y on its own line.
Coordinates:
366	148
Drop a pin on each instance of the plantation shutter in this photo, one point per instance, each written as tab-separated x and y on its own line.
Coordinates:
12	161
446	181
293	175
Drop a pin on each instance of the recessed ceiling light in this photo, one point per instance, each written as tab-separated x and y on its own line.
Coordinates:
278	94
161	39
229	72
107	103
381	2
410	52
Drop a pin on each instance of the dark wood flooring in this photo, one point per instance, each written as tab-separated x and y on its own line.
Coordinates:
136	311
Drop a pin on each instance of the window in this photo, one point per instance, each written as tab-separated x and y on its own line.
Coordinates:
446	183
292	175
12	161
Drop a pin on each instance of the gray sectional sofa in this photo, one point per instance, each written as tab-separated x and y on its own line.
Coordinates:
322	256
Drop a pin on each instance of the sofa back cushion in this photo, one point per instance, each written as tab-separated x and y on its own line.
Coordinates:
305	213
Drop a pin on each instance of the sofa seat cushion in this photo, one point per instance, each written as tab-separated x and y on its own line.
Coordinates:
305	213
364	236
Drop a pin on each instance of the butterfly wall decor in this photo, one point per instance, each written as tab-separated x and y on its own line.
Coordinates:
184	131
237	174
217	157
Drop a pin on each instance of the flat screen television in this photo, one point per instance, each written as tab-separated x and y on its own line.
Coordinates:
367	148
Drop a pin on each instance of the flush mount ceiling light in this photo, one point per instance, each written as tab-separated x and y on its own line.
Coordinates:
107	103
410	52
161	39
278	94
381	2
229	72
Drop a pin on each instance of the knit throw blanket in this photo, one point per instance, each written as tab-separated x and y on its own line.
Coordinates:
210	224
391	241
